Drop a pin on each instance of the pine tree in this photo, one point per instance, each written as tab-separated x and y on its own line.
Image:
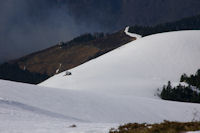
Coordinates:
183	78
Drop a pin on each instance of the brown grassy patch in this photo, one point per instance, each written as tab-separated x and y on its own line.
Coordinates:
48	60
165	127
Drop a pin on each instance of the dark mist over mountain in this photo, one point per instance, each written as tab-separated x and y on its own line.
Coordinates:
114	14
30	25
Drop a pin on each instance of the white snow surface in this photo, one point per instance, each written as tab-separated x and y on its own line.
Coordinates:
33	109
130	75
131	34
118	87
137	68
58	68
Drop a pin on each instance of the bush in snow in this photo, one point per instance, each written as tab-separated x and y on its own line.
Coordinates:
193	80
189	93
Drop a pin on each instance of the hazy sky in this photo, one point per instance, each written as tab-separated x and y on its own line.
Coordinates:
31	25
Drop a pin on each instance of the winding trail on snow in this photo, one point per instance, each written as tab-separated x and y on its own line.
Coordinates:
38	110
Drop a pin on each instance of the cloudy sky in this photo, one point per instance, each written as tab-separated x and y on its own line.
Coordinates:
31	25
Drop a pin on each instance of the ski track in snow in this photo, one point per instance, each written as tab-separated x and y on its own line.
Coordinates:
37	110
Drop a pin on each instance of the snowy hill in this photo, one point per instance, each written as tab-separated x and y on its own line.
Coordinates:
134	72
137	68
38	66
87	106
118	87
33	109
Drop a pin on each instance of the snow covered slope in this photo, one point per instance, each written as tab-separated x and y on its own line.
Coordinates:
118	87
33	109
132	34
82	106
137	68
121	85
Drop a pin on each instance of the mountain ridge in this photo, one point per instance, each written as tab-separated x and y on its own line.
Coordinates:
66	55
61	57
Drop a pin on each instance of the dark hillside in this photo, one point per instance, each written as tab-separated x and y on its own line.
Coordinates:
66	55
73	53
191	23
14	73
